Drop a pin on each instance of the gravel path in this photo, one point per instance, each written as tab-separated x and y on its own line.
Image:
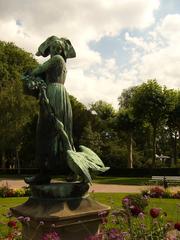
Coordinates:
95	187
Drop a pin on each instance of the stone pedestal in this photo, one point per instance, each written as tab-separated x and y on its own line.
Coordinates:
65	208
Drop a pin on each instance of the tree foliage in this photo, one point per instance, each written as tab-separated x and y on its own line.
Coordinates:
16	109
127	123
103	109
152	103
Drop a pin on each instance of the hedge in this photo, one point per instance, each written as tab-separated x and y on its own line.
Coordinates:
116	172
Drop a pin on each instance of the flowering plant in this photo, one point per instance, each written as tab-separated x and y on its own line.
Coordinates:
134	222
6	191
156	192
51	236
135	202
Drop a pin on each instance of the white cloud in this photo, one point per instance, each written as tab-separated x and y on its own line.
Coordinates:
170	28
82	21
99	83
162	61
140	42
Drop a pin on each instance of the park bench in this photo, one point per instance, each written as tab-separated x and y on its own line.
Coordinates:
171	180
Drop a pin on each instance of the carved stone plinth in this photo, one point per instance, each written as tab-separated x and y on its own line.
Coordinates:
65	208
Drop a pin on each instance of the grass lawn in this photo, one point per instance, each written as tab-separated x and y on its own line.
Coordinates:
5	204
121	180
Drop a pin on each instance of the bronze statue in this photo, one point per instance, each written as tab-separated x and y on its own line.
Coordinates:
54	141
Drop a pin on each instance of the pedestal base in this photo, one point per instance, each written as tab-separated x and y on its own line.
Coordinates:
73	218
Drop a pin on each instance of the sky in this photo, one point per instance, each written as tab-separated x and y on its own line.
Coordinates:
118	43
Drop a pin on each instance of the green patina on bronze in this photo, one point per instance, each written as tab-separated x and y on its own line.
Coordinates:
55	147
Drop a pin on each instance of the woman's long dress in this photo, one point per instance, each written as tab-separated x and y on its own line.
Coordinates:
50	150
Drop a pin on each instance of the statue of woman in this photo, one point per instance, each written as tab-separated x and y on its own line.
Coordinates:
50	150
55	148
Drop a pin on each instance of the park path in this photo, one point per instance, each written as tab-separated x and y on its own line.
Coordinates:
96	187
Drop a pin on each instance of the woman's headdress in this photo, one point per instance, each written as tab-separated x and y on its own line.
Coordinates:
63	43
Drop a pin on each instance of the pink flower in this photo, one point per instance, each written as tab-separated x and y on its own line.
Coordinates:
95	237
115	234
135	211
141	215
177	226
51	236
156	192
154	212
126	201
12	224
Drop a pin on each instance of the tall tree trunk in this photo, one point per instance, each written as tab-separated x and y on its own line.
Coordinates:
130	150
173	135
175	148
3	164
154	146
18	161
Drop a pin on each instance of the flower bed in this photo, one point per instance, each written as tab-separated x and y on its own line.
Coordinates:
132	222
6	191
158	192
14	229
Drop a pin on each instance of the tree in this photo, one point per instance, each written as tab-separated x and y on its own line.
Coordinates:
151	104
173	122
81	117
91	139
16	109
127	123
14	62
103	109
113	150
104	114
125	99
